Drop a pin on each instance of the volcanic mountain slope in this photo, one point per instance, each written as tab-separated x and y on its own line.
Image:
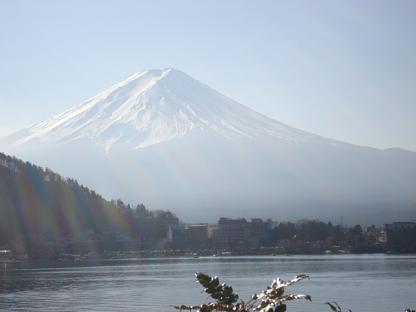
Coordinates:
165	139
156	106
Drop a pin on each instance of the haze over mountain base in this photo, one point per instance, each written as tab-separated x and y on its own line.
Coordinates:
166	140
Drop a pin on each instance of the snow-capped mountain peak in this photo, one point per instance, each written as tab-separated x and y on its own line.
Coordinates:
162	138
156	106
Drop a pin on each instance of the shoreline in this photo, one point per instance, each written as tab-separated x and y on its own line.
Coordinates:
11	265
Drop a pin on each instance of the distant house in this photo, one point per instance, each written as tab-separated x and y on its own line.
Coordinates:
232	233
194	236
177	236
6	254
401	236
197	235
260	232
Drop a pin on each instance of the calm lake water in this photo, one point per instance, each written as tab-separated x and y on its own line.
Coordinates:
358	282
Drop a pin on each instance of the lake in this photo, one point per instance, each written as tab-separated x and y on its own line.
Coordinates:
358	282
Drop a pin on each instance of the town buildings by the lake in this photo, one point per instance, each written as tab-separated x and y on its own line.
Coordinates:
237	236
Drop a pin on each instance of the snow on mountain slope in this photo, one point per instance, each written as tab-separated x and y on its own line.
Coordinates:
164	139
156	106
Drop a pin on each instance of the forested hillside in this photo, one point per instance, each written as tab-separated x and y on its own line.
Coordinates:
43	212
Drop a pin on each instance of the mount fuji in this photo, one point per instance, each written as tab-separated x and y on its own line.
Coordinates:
162	138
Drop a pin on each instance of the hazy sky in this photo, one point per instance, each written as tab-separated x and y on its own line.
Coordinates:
342	69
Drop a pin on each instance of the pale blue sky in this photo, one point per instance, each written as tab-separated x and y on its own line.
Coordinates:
342	69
